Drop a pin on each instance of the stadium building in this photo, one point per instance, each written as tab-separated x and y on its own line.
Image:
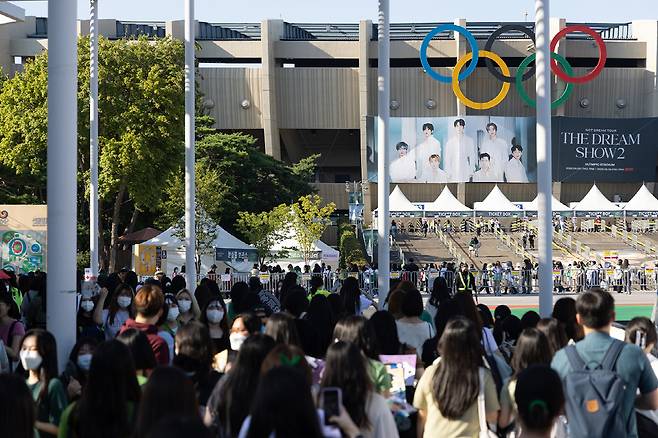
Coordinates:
304	89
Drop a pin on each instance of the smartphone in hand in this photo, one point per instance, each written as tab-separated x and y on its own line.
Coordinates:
330	400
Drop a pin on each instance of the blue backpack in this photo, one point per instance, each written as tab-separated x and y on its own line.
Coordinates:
594	396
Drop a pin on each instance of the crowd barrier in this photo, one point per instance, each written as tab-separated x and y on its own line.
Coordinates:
507	280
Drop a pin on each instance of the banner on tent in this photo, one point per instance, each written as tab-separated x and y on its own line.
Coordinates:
235	255
457	149
615	150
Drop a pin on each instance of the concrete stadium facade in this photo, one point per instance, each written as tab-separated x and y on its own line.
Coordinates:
305	89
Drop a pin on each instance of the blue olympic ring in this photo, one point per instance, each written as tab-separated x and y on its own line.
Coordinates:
426	42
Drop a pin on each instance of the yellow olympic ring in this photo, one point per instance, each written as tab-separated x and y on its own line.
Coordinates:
465	100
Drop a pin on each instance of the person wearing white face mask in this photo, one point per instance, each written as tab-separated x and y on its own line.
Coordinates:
76	370
244	325
118	311
169	326
214	317
38	356
188	307
86	326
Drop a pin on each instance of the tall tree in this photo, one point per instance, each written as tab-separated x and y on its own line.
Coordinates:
309	219
263	230
232	175
141	106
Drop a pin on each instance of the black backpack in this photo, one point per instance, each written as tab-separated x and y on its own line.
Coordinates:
594	396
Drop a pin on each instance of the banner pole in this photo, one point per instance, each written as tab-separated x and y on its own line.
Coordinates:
190	190
544	169
383	99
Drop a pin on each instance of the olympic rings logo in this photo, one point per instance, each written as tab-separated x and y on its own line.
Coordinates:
559	65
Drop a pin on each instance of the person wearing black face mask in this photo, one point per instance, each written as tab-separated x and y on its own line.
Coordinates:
465	279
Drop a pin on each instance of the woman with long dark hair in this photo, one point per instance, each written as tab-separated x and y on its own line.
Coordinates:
440	294
76	370
141	352
346	368
109	402
564	310
17	413
447	394
386	333
214	317
554	332
282	407
168	393
354	303
282	328
532	347
357	330
231	400
319	315
120	309
194	357
38	356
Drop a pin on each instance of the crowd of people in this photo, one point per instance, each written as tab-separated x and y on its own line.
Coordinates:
159	359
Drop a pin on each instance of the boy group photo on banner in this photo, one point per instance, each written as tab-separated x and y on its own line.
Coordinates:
462	149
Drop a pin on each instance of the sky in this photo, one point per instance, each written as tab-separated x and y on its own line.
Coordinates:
336	11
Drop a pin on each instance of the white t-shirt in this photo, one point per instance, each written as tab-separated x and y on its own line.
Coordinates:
112	330
459	160
423	151
498	151
403	169
415	334
515	172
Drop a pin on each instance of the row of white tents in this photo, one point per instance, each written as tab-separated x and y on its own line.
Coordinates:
166	251
497	204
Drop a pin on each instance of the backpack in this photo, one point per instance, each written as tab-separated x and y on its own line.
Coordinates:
594	396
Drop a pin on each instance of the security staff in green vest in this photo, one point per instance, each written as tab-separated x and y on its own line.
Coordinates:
465	280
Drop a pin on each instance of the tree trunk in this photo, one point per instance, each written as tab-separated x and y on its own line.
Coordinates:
131	225
116	217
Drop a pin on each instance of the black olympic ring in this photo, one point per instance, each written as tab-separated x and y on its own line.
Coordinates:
489	44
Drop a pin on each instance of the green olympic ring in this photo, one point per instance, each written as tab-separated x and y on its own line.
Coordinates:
529	100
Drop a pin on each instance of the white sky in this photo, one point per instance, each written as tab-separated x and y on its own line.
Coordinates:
352	10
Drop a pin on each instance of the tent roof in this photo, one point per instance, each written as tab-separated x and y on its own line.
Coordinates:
446	202
398	203
556	205
643	200
224	239
496	201
140	235
594	200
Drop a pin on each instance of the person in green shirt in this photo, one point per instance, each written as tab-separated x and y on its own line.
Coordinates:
108	403
38	354
355	329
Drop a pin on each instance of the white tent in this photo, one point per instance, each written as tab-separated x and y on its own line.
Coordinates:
643	200
174	255
446	205
595	202
556	205
496	204
398	204
321	251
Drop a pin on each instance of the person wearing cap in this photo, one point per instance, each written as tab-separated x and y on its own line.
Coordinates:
403	168
123	272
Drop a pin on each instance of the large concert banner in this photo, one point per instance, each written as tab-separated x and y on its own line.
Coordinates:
457	149
614	150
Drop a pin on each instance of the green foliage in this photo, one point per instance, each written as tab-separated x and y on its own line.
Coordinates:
309	219
232	175
83	260
263	230
350	248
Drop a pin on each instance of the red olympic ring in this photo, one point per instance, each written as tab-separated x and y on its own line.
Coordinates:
603	55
